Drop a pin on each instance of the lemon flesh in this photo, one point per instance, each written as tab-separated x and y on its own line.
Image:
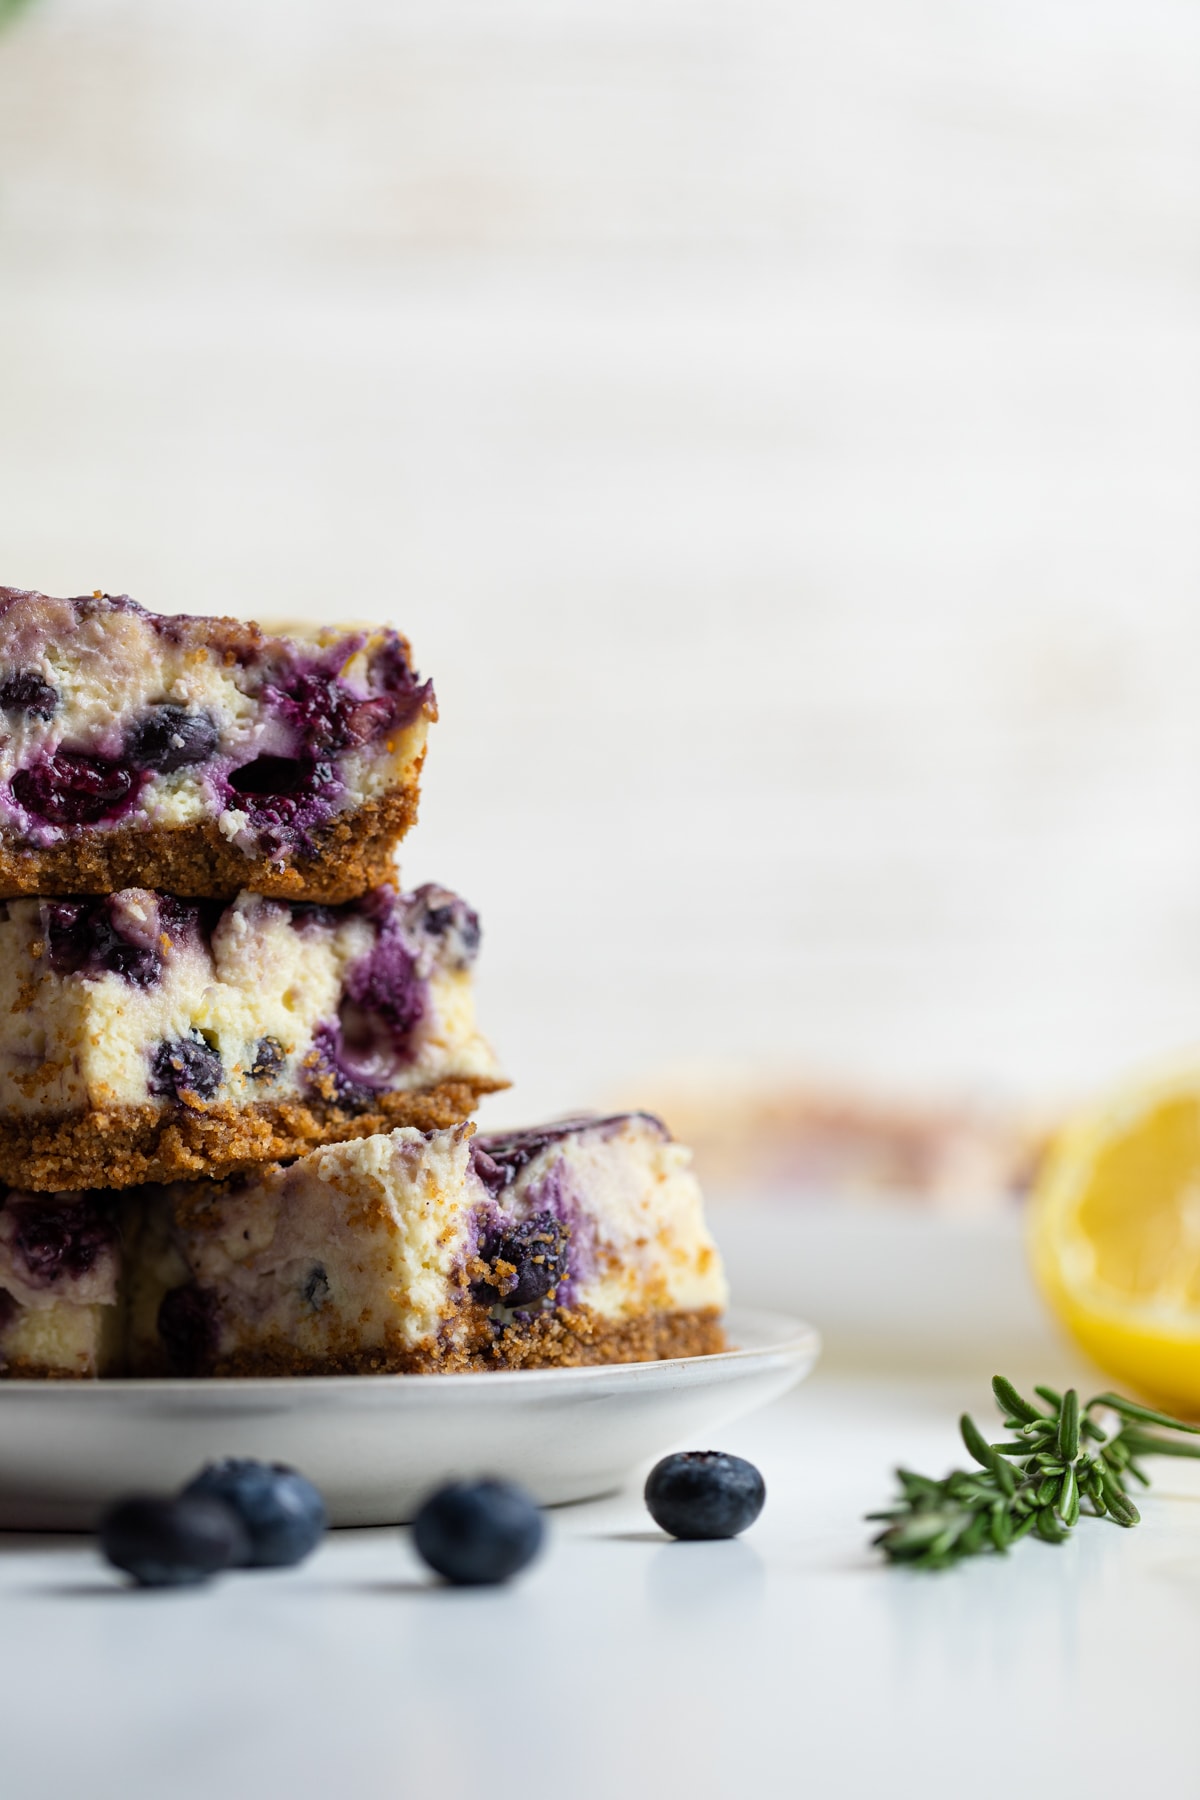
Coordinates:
1114	1235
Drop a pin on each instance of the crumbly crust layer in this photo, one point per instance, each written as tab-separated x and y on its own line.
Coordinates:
27	1368
559	1339
352	853
128	1145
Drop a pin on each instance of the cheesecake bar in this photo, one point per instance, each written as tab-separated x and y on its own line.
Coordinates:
60	1302
149	1037
582	1242
199	755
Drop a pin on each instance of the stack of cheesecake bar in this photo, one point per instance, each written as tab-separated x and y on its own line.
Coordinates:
238	1063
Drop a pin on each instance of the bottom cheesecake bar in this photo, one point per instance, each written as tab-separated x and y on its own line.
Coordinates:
410	1252
407	1252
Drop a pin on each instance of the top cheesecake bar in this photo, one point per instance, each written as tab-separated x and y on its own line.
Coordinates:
201	756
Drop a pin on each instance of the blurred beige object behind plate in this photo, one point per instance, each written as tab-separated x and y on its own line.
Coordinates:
791	1138
376	1445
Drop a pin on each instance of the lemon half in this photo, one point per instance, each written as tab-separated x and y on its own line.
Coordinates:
1114	1234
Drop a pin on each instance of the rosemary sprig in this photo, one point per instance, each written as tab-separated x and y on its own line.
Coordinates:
9	9
1058	1462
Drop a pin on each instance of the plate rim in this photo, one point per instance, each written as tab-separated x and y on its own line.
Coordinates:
798	1339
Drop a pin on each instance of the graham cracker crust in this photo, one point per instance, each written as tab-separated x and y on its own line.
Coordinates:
563	1338
128	1145
352	853
27	1368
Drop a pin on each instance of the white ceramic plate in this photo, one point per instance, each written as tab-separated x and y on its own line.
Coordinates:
375	1445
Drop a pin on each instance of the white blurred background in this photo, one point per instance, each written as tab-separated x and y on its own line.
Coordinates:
777	426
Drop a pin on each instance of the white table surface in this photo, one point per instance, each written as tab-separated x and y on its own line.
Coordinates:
790	1662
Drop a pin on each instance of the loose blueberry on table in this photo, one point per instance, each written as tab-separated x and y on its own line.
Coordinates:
176	1542
701	1494
478	1533
283	1514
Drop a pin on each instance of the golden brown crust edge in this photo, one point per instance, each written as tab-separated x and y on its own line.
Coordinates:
558	1340
128	1145
27	1368
354	852
562	1339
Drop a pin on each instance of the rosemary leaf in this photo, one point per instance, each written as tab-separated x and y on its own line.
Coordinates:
1068	1427
1068	1499
971	1541
1129	1409
973	1438
1148	1443
1012	1404
1122	1509
1048	1526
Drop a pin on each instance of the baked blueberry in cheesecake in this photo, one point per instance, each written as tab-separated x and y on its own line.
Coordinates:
60	1268
583	1242
149	1037
201	756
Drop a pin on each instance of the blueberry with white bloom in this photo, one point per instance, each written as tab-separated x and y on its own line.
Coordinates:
281	1511
704	1494
478	1533
175	1542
